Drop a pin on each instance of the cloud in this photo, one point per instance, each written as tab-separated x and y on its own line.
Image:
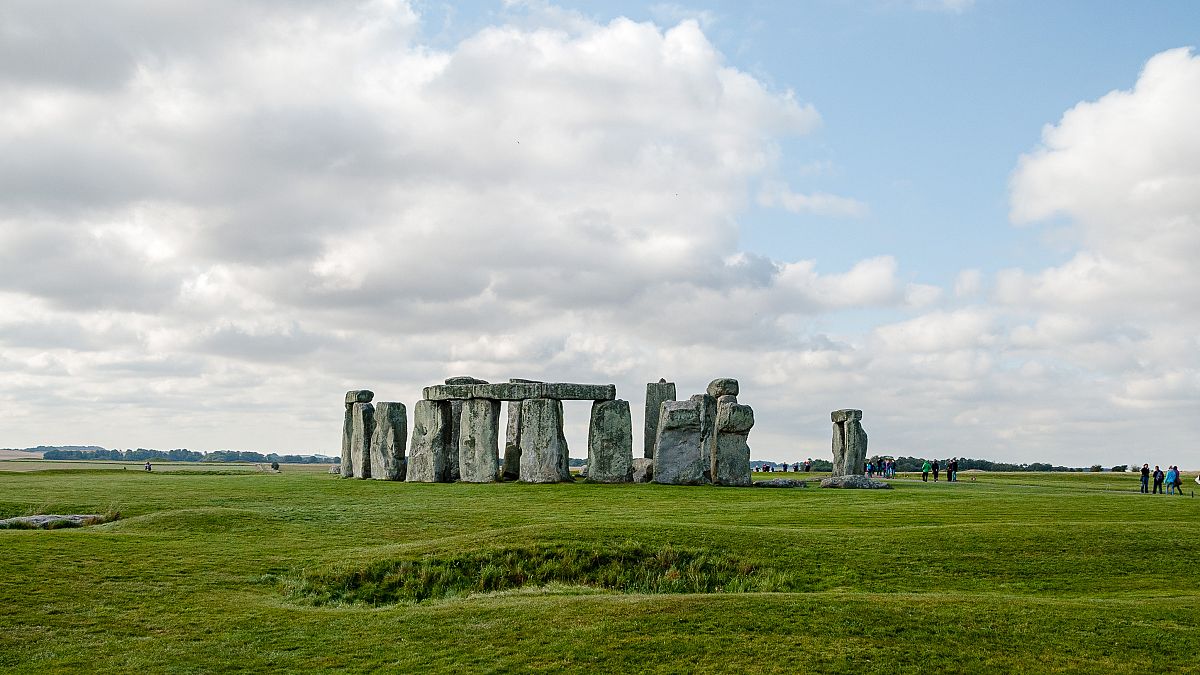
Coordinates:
817	203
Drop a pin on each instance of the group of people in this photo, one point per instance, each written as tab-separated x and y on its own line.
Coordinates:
806	465
885	468
1172	479
936	468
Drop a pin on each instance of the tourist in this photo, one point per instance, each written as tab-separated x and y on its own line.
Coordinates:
1145	479
870	469
1158	480
148	465
925	471
935	470
1172	477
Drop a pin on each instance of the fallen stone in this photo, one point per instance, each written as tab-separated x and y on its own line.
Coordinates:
678	450
362	426
478	448
723	386
544	457
389	441
610	443
656	393
430	447
335	470
856	482
781	483
51	521
643	470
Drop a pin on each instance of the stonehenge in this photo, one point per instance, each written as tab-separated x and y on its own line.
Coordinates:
849	443
702	440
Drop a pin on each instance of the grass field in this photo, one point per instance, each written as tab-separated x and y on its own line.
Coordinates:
303	571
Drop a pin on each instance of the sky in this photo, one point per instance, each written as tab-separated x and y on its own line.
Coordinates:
977	221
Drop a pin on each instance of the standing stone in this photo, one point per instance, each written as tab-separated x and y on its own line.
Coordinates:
456	407
430	448
565	466
610	443
353	396
362	426
478	447
656	393
544	456
678	452
389	441
708	435
849	443
731	453
512	442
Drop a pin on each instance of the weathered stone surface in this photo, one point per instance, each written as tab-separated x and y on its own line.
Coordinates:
478	447
519	379
679	451
610	443
359	396
452	472
708	431
723	386
51	521
849	443
565	467
362	425
781	483
335	470
643	470
446	392
347	468
656	393
515	391
512	442
859	482
544	456
465	379
731	453
845	415
430	447
389	441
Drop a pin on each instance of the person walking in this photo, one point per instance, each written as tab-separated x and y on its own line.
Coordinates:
925	471
1172	476
936	467
1145	479
1158	480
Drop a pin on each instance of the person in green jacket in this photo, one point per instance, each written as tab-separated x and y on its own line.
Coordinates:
925	471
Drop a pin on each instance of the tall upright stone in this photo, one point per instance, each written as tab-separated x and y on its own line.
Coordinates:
564	466
353	396
708	434
849	443
428	455
678	450
656	393
456	407
512	436
610	443
731	452
389	441
478	441
544	457
362	426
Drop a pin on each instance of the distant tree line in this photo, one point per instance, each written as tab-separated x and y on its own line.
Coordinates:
185	455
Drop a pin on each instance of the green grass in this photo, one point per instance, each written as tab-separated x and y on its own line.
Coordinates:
303	571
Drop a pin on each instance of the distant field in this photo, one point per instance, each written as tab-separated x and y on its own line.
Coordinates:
80	465
303	571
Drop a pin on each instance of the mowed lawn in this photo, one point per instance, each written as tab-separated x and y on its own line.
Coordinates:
209	571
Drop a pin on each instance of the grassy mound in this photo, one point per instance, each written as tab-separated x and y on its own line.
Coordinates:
627	568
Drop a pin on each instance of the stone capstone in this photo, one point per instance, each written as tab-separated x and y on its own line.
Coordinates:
544	457
643	470
849	443
610	443
516	391
858	482
428	453
478	448
723	386
362	426
465	379
359	396
656	393
731	452
678	449
388	441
